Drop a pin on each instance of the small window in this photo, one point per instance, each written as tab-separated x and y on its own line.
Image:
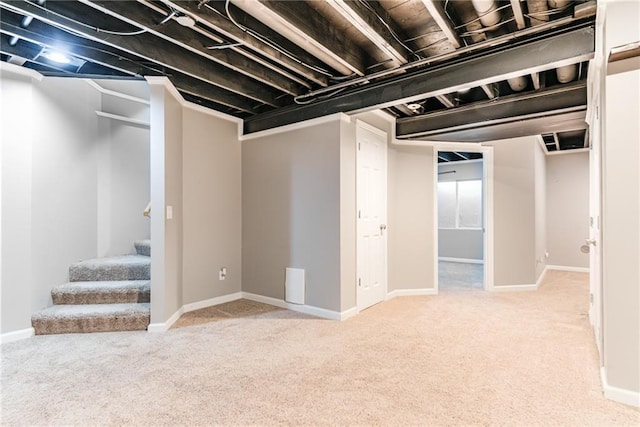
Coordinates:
460	204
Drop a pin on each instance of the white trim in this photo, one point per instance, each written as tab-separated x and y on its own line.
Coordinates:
122	119
542	277
307	309
411	293
514	288
564	152
211	302
164	81
21	334
165	326
104	91
6	67
461	260
568	268
627	397
295	126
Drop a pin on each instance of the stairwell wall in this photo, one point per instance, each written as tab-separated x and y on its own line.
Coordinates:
49	187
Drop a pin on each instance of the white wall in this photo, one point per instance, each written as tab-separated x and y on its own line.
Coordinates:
212	206
123	172
621	210
54	179
567	209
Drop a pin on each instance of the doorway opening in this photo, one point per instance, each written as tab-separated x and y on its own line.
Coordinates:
462	217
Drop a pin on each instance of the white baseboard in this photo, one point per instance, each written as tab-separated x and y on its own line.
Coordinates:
514	288
211	302
17	335
542	276
462	260
619	395
307	309
567	268
411	292
165	326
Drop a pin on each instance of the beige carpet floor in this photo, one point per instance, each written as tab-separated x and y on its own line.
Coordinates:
460	358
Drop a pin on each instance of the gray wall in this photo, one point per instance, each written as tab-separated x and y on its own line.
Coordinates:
166	176
567	209
453	243
212	214
411	217
51	188
291	185
514	211
621	208
540	201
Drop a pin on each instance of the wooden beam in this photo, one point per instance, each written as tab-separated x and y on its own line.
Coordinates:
518	15
496	64
364	16
300	24
211	17
446	100
146	46
110	57
436	11
138	15
489	90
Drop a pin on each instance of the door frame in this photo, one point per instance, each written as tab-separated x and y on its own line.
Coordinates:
366	126
487	208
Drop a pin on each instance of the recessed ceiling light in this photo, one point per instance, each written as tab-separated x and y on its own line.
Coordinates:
58	57
186	21
414	106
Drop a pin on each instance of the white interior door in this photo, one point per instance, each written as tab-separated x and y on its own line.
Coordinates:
371	178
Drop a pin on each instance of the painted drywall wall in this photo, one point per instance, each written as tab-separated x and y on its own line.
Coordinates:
514	211
540	201
348	225
621	209
16	106
411	217
212	202
291	212
567	209
460	243
166	200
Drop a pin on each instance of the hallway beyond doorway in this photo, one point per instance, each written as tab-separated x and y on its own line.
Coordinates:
458	276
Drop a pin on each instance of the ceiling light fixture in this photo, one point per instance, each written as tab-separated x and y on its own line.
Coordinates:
58	57
414	107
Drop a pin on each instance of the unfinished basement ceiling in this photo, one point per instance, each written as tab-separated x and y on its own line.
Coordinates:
447	70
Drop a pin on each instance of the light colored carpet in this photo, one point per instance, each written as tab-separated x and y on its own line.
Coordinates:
470	358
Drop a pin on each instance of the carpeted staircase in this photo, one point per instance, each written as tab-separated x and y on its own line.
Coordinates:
104	294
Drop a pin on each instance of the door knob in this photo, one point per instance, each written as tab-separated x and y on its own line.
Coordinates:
591	242
383	227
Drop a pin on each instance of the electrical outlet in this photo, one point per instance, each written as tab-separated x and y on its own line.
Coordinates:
223	273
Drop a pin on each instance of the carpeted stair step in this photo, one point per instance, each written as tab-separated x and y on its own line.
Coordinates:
65	319
143	247
126	267
104	292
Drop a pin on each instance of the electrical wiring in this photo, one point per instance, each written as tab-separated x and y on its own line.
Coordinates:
480	16
223	46
96	29
391	31
432	44
485	29
269	42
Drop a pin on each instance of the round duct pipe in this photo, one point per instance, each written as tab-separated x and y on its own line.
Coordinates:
487	12
517	84
556	4
567	73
